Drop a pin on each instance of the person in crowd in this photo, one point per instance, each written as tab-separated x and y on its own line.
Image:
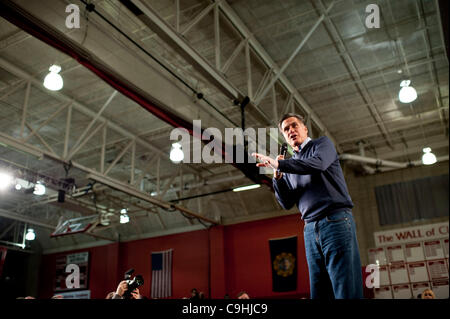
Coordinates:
428	294
243	295
194	294
120	291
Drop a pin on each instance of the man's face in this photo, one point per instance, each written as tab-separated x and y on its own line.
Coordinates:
294	132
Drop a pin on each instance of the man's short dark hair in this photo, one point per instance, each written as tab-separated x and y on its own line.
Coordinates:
288	115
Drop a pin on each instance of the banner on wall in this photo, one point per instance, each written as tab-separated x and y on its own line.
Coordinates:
72	271
162	274
283	258
411	234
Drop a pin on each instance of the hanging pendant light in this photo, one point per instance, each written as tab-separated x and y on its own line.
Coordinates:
124	218
407	93
31	235
428	158
53	81
176	153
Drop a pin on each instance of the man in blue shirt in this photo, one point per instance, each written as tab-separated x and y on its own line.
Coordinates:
313	180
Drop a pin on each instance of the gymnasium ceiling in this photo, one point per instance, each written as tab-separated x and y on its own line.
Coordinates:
313	57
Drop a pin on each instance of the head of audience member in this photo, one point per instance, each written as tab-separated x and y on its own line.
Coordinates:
194	294
201	295
428	294
243	295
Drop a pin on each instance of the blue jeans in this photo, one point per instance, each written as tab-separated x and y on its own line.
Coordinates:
333	257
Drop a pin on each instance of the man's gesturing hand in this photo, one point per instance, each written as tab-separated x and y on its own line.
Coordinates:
266	161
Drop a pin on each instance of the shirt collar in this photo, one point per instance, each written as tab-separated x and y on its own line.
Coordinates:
304	143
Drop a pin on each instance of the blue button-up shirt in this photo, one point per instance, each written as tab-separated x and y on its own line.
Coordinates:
313	180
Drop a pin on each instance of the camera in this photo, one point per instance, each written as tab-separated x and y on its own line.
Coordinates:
137	281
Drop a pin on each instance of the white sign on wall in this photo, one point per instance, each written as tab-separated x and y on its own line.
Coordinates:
418	271
395	253
437	269
418	288
398	273
433	249
414	252
446	247
411	234
384	276
377	256
402	291
440	288
383	292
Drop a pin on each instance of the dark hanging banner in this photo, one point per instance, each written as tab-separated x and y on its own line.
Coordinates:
283	256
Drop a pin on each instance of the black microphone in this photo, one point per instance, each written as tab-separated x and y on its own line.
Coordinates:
284	148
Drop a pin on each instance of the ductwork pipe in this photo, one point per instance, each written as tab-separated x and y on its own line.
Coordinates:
374	161
388	165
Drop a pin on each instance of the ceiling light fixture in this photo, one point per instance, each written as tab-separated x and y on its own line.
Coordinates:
39	189
407	93
53	81
176	153
30	234
246	188
428	158
124	218
5	180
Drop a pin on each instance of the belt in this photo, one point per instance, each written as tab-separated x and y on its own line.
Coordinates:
323	216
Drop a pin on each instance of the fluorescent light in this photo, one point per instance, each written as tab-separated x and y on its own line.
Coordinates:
428	158
176	153
53	81
407	93
246	188
30	234
39	189
5	180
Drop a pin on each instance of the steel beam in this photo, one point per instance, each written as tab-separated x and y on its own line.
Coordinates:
268	61
294	54
164	30
82	108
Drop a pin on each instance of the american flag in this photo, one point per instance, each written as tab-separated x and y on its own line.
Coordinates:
162	274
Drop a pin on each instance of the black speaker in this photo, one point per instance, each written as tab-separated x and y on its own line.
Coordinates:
61	196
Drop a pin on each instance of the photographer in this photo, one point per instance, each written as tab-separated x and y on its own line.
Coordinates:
122	288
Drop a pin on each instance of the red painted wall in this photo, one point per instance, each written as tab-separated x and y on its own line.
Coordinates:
247	254
223	259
